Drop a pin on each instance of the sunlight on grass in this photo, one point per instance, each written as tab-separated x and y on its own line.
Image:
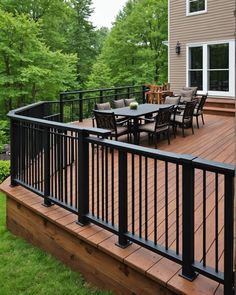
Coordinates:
25	270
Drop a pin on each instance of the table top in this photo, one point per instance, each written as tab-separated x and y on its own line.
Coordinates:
143	109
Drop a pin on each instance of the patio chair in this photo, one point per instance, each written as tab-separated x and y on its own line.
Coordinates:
159	124
101	107
183	117
198	111
107	120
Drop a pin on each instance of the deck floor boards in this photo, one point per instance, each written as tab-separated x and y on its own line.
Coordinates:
213	141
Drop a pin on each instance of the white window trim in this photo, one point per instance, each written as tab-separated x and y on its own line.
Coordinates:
231	92
196	12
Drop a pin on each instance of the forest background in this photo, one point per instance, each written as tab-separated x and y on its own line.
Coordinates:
48	46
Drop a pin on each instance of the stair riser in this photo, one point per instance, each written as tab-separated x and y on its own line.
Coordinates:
220	105
219	113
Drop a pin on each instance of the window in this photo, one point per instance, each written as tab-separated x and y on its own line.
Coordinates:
196	67
210	67
218	68
196	6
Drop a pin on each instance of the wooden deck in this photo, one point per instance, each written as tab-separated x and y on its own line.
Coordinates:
92	250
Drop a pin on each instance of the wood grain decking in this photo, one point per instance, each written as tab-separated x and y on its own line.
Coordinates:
133	270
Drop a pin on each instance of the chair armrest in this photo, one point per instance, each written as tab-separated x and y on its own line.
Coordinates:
147	120
122	122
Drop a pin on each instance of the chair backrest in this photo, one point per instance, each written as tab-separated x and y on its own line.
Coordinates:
186	95
103	106
193	89
105	120
163	117
201	103
128	101
119	103
189	109
172	100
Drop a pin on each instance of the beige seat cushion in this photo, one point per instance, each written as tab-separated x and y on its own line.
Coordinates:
196	112
179	119
150	127
103	106
120	130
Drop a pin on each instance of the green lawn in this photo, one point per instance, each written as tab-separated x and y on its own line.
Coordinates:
27	270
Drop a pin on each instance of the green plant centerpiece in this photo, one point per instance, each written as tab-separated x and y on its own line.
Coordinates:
133	105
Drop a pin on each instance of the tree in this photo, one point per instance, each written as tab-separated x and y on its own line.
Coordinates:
133	51
29	71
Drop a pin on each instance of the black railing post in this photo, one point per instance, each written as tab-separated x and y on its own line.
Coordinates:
46	152
61	108
83	178
123	200
143	93
81	111
128	92
228	235
101	100
14	146
188	218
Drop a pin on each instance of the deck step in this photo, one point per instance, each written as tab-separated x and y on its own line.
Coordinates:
220	107
220	103
219	111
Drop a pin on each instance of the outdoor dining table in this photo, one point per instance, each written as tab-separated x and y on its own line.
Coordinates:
135	114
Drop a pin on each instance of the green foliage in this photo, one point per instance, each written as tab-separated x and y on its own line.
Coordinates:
30	271
133	53
4	134
4	170
29	71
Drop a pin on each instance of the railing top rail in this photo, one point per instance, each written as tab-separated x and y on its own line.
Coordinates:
217	167
51	124
96	90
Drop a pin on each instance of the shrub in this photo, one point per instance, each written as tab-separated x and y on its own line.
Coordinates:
4	134
4	170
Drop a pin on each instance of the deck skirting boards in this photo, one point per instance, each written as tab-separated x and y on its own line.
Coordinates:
96	266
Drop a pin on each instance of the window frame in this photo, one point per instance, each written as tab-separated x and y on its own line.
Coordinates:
205	77
188	13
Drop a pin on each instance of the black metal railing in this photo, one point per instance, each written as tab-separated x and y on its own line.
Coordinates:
78	105
178	206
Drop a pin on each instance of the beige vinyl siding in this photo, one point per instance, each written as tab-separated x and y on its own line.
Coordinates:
218	23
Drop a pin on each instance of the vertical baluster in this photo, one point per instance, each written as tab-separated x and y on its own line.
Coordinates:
155	201
106	184
166	206
177	209
146	198
216	222
103	183
98	184
140	196
112	187
133	196
204	219
93	179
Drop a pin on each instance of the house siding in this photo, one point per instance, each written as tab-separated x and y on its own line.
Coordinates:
217	24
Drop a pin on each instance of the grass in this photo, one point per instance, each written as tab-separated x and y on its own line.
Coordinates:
25	270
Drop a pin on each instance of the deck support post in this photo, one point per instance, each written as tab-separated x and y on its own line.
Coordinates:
83	179
46	151
123	200
188	218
